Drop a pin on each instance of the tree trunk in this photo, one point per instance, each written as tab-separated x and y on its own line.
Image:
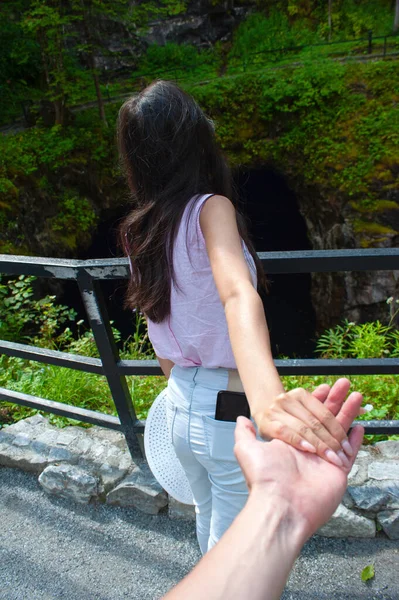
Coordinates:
330	20
396	19
59	107
100	100
86	14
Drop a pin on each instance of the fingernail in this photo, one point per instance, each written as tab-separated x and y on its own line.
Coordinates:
333	458
307	446
347	447
344	458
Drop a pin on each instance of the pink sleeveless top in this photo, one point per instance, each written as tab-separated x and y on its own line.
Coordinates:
195	334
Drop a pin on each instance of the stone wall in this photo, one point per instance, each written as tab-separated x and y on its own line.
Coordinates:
94	465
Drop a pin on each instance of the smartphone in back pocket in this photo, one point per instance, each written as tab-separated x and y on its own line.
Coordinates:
230	405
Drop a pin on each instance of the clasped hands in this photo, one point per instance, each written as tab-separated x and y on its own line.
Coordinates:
310	486
308	421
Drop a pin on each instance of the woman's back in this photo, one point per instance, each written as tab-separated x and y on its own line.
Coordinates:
195	333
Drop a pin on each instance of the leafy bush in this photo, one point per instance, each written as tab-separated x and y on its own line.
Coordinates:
263	33
22	317
177	60
367	340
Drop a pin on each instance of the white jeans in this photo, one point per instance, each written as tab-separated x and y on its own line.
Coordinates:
204	447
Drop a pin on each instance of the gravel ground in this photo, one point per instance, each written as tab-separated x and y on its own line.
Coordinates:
53	549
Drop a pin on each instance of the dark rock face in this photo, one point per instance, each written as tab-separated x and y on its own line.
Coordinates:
356	296
202	25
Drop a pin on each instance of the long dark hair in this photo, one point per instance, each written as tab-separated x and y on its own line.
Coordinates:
169	155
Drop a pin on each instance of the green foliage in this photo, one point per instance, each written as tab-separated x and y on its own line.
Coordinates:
368	340
351	18
22	317
75	218
264	33
141	13
41	322
177	60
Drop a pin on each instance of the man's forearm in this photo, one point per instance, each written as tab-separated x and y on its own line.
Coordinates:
252	560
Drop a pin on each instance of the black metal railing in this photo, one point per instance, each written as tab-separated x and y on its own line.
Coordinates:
89	274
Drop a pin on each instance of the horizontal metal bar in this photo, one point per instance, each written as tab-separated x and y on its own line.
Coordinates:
52	357
371	427
59	408
295	366
344	366
60	268
302	261
139	367
322	261
379	427
38	266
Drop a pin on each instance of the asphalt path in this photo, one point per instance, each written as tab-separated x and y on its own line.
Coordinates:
53	549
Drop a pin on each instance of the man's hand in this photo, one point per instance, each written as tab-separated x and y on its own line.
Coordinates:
310	485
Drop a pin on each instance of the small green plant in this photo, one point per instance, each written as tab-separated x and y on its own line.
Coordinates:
367	340
367	573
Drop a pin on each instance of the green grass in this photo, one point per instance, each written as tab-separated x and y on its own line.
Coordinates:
91	391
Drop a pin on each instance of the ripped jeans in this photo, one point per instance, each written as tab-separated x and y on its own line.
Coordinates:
204	447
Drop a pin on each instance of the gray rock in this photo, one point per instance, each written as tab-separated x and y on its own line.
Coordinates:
69	481
345	523
97	452
82	446
141	490
384	470
11	456
353	472
177	510
22	440
347	500
389	449
375	497
61	454
113	437
362	454
45	441
18	427
36	420
389	521
67	438
37	462
358	473
111	476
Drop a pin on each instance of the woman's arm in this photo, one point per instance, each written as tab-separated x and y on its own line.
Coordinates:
295	417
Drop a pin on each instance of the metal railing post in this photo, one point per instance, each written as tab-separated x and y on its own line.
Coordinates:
370	42
109	354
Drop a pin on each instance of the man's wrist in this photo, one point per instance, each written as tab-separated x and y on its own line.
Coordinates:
277	517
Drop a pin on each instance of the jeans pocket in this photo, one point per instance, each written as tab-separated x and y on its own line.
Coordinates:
219	438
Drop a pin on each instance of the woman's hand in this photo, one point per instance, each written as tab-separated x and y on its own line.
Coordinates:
302	420
311	487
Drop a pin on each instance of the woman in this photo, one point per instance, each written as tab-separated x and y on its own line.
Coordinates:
195	276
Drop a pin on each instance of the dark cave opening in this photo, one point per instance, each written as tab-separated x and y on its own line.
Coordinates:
275	224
